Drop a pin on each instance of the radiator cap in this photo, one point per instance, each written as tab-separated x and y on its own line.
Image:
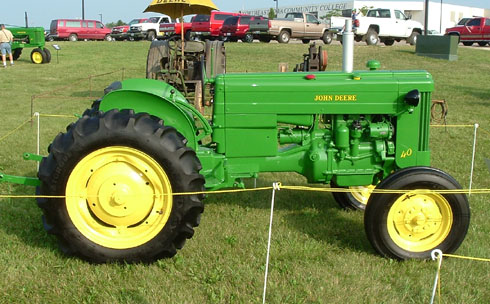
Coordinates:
373	65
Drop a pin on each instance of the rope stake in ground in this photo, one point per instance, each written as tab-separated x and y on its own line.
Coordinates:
275	186
438	255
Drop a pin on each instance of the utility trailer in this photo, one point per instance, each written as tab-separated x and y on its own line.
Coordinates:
30	37
107	185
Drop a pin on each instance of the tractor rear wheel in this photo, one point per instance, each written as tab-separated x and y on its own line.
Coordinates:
356	200
116	173
38	56
412	224
159	49
48	55
16	54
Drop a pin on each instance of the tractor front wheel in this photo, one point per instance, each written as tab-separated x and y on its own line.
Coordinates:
414	223
116	173
38	56
355	200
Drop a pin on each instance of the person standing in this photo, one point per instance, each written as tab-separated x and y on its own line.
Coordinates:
6	39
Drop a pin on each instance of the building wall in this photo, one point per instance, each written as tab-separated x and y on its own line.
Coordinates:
317	9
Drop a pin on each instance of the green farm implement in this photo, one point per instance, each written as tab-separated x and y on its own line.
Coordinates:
107	188
30	37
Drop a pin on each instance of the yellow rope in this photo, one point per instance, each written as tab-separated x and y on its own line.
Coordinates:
294	188
58	115
14	130
465	257
481	129
452	126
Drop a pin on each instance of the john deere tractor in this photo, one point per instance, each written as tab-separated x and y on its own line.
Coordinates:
125	182
30	37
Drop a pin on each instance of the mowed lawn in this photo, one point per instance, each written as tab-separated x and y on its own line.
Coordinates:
319	253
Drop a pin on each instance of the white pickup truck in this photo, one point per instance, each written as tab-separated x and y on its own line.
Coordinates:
387	26
297	25
148	29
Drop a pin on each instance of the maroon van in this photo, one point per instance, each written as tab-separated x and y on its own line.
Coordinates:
73	30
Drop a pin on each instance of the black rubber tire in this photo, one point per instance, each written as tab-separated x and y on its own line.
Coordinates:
327	38
48	55
305	41
35	52
284	37
482	43
389	42
73	37
248	38
346	200
144	133
412	39
372	37
158	50
151	36
16	54
108	37
468	43
379	206
187	36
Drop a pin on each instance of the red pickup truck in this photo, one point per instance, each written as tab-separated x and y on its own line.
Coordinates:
209	26
474	30
175	29
245	28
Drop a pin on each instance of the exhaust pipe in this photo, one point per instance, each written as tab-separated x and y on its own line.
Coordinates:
348	51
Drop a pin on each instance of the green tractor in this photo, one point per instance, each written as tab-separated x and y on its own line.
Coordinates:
30	37
125	182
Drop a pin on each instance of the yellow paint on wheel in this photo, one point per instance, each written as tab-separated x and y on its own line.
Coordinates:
419	222
37	57
362	193
118	197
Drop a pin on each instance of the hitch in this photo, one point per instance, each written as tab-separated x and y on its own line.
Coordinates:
23	180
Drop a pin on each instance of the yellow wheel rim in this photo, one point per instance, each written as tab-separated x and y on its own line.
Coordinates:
118	197
37	57
362	193
419	222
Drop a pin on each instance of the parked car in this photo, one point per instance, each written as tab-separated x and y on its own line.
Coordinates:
298	25
73	30
474	30
148	29
121	32
209	26
245	28
386	25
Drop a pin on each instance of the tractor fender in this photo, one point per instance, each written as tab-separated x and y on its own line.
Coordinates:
155	98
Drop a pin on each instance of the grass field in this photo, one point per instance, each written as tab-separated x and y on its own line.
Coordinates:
319	253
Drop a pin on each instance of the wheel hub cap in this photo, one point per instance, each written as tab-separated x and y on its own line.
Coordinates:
419	222
118	197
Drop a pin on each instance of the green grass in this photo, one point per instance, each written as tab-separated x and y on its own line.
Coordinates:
319	253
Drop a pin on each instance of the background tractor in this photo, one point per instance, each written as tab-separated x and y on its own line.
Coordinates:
30	37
